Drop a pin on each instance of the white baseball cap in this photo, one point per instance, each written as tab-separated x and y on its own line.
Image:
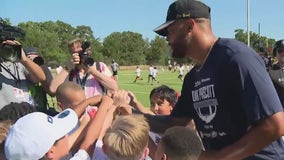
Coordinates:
34	134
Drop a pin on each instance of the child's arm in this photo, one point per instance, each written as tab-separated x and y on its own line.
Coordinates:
95	125
139	106
80	108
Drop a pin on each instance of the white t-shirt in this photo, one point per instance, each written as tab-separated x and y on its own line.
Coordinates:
81	155
138	72
99	154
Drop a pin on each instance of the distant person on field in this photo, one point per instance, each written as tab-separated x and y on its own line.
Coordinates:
58	69
154	76
180	72
114	67
138	74
150	74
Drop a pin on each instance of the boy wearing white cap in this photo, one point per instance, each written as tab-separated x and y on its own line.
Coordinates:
38	135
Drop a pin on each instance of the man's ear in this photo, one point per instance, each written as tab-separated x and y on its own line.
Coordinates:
190	24
164	157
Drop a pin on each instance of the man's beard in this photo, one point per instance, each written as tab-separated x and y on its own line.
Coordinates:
179	48
178	52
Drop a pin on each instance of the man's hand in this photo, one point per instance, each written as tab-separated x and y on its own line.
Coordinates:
75	58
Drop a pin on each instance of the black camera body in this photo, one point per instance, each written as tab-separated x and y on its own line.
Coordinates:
9	52
85	57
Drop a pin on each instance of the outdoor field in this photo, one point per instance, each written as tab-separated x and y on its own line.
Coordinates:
142	88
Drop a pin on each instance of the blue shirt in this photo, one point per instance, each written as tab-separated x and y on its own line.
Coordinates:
230	92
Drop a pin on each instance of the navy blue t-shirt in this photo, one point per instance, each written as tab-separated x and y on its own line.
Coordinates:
229	92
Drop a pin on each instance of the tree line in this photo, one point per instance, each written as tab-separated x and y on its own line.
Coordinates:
127	48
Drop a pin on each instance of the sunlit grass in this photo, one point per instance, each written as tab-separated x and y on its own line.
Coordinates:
142	88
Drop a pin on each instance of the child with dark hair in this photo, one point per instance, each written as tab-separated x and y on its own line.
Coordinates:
9	114
163	99
14	111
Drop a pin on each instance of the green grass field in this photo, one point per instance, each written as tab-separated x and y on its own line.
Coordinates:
142	88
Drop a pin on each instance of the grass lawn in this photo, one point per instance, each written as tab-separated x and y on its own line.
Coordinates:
142	88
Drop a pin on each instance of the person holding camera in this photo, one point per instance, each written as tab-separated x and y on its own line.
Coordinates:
40	90
94	77
17	74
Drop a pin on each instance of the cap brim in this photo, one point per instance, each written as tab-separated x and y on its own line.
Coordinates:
39	131
65	122
162	29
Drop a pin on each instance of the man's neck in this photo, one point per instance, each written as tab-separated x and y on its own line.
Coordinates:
206	51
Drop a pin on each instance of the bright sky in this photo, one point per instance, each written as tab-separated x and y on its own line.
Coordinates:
142	16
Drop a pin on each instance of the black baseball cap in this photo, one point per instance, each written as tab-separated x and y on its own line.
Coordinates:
181	9
30	51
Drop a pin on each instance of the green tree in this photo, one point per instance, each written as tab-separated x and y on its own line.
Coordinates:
158	51
257	42
127	48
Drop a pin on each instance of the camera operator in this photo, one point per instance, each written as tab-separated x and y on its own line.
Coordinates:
40	90
84	71
16	77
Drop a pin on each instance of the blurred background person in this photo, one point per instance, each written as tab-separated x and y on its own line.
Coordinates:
94	77
276	72
138	74
17	74
40	90
114	67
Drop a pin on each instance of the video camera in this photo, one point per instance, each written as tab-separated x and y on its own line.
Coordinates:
85	57
9	52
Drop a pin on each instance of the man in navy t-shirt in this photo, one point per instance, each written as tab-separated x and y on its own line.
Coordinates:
228	93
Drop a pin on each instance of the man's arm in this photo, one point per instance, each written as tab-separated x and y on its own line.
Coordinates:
160	124
259	135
